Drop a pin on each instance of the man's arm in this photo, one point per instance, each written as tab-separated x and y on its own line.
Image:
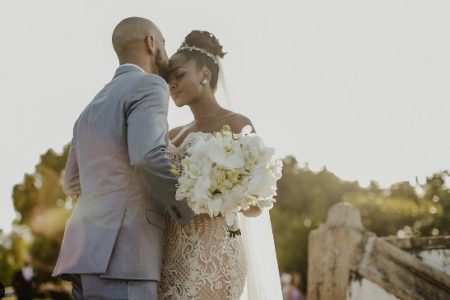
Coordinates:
72	185
147	145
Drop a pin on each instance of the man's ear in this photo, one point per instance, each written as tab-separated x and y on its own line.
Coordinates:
150	44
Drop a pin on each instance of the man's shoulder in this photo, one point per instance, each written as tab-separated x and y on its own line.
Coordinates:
142	83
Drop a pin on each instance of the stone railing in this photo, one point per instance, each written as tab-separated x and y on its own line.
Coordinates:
346	262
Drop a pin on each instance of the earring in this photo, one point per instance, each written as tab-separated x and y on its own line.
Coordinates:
204	82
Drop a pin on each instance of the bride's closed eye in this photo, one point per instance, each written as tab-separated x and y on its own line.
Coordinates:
179	75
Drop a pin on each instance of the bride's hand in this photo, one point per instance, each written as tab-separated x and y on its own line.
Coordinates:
253	211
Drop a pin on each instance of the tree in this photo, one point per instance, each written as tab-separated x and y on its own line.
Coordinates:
43	207
437	196
304	198
13	249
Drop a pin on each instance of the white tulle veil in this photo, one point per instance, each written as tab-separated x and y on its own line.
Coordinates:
263	278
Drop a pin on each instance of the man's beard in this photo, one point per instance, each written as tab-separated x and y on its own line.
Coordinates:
162	65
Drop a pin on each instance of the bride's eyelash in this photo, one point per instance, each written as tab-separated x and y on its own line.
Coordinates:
179	75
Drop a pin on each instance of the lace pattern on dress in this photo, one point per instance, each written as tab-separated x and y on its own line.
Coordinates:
201	261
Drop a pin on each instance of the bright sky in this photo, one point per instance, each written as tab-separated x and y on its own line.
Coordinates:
361	87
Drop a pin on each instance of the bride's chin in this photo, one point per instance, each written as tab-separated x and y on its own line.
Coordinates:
179	104
176	102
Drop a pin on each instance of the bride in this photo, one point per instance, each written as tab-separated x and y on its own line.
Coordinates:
201	260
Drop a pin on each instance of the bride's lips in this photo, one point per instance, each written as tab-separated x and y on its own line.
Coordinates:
174	94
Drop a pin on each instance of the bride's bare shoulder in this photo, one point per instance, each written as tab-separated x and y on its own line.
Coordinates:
238	121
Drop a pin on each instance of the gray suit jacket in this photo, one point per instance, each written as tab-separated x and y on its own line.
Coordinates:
119	167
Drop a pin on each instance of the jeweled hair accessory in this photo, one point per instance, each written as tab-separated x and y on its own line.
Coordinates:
201	50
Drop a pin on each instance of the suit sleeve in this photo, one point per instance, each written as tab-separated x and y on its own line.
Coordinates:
147	135
72	185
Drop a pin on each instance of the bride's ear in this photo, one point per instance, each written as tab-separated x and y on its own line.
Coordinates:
205	75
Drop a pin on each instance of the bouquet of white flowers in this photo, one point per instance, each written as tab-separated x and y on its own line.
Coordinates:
224	173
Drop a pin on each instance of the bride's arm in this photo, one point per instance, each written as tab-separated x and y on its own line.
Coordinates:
237	123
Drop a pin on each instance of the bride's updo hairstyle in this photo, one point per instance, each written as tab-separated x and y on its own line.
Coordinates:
203	48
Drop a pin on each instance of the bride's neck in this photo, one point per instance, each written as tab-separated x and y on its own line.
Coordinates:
205	108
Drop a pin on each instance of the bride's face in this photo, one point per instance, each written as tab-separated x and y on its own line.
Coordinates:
184	80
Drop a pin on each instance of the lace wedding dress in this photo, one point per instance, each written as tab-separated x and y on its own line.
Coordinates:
201	261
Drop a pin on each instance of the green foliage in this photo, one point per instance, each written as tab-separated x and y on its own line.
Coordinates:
386	215
437	196
304	198
43	208
46	250
12	251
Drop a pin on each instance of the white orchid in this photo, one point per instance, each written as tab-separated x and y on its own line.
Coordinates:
201	188
215	206
226	153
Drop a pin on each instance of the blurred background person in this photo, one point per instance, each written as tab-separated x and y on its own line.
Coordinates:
285	284
295	291
22	281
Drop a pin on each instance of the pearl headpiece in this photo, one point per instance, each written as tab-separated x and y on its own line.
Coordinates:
201	50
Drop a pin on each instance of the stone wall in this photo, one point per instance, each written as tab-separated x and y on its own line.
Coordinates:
348	262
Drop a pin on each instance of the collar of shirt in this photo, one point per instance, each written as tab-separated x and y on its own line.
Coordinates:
136	66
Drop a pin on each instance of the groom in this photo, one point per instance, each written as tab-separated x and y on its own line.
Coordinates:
120	173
